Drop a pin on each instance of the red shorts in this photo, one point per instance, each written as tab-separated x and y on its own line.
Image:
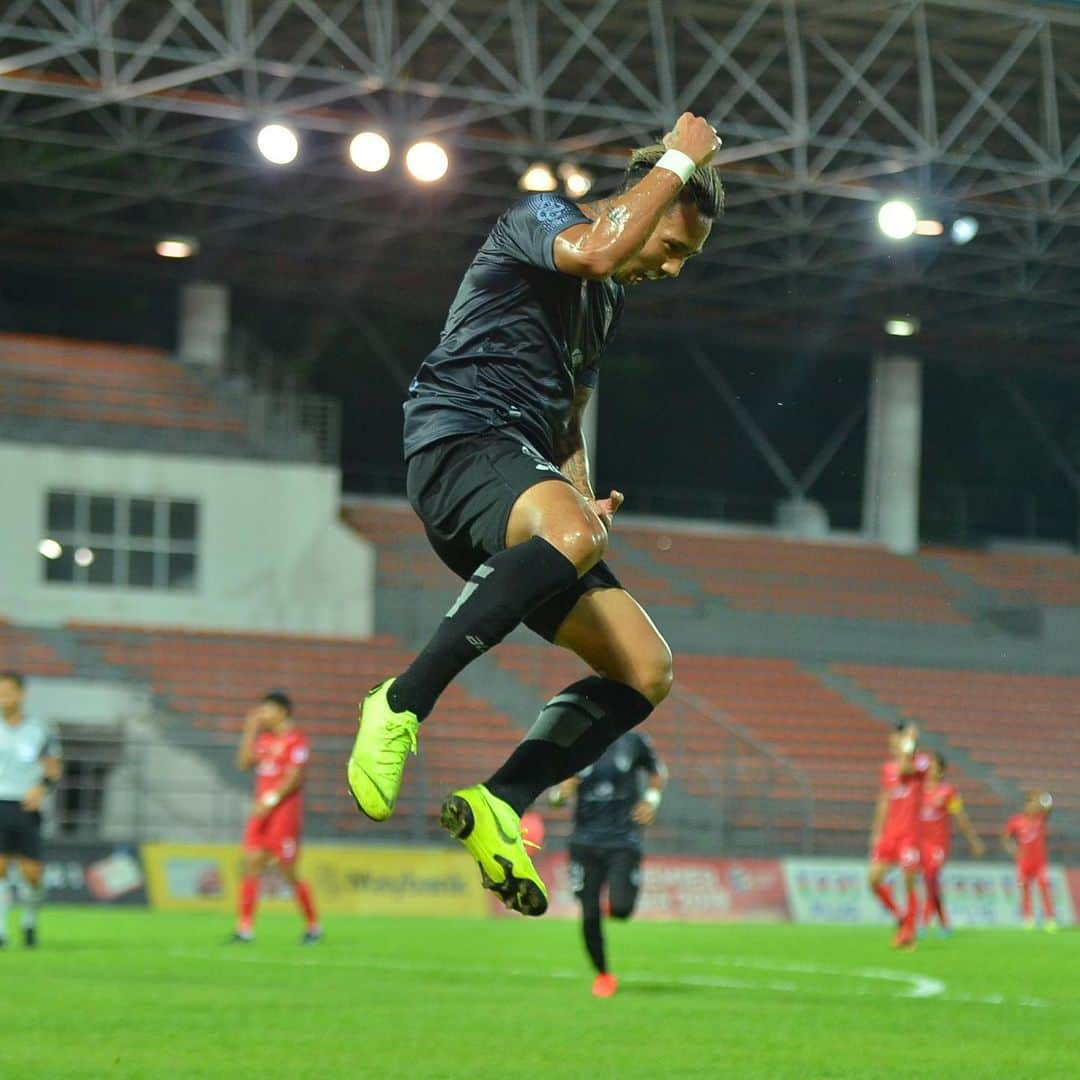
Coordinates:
276	834
900	851
1031	871
932	857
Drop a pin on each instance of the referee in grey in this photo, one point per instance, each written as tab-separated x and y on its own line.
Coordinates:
29	767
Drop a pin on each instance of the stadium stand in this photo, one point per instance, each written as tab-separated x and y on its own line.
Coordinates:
208	681
765	574
23	651
406	558
68	389
1052	580
990	715
811	741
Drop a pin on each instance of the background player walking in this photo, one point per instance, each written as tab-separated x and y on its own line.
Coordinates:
1024	839
616	798
29	767
279	752
498	473
941	803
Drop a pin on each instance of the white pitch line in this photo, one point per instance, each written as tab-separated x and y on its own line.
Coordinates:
917	986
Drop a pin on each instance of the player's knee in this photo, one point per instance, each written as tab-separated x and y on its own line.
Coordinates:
651	673
580	536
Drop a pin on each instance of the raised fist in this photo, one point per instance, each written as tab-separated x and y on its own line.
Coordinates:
695	137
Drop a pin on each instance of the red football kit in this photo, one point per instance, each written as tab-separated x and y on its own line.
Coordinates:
279	831
939	803
1029	831
899	840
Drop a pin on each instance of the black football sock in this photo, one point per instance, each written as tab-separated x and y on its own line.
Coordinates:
500	593
572	731
594	939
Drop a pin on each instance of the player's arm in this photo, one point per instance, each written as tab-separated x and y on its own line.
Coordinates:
880	808
564	792
645	811
595	251
572	457
51	771
909	743
245	753
292	781
967	830
1008	843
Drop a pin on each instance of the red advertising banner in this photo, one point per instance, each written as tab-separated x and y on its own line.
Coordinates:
680	888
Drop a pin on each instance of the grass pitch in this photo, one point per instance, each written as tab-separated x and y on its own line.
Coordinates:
142	994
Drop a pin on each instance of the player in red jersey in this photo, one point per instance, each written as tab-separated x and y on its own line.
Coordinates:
941	803
279	751
894	837
1025	840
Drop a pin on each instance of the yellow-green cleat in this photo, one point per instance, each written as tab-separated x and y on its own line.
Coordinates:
378	754
491	832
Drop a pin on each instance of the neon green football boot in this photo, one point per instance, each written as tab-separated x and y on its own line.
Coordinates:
491	832
378	754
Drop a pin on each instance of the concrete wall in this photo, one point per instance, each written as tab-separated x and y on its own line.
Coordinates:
272	555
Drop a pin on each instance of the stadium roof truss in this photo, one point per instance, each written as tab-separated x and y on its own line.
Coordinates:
122	120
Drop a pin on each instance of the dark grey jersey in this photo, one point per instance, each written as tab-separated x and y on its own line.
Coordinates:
609	791
519	339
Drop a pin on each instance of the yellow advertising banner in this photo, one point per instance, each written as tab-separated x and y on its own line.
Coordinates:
346	880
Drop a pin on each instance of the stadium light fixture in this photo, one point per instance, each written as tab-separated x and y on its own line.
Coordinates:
963	230
278	144
897	219
902	326
427	161
50	548
928	227
83	556
575	179
369	151
177	247
538	177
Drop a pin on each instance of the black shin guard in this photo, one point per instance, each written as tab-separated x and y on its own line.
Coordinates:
572	731
500	593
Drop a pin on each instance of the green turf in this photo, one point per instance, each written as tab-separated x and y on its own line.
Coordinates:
139	994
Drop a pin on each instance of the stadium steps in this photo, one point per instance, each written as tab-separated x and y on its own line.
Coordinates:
983	715
1016	578
768	574
986	793
204	682
32	652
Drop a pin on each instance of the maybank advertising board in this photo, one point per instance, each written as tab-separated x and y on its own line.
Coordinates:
347	881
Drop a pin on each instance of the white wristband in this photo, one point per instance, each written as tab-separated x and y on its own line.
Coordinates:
652	796
682	165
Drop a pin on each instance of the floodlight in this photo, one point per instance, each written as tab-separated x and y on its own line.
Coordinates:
963	230
897	219
538	177
50	548
177	247
427	161
575	179
369	151
278	144
902	326
928	227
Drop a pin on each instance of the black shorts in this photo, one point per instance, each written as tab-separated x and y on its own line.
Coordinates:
20	831
463	490
591	868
